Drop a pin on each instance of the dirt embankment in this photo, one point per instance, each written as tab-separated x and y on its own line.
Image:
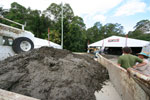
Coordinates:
52	74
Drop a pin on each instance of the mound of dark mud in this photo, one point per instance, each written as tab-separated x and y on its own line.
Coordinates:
52	74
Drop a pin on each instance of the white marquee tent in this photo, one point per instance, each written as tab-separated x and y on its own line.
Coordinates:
117	41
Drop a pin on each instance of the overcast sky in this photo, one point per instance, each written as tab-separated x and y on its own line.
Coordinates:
125	12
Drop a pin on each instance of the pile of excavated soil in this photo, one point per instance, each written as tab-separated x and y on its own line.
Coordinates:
52	74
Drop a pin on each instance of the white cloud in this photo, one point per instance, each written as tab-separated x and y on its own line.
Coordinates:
92	10
90	20
100	18
92	6
131	7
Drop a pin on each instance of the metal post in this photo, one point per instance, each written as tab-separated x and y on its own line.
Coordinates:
102	49
62	25
48	36
126	42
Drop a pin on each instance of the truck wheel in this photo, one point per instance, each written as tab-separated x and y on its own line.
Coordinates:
22	44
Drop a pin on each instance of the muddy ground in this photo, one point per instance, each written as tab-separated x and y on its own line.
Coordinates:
52	74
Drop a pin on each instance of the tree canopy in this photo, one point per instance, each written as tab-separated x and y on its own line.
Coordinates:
141	31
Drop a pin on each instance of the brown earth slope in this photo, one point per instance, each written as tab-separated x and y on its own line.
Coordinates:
52	74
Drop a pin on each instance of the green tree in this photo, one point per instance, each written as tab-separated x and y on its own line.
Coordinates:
113	29
55	36
34	23
1	11
16	13
143	25
75	37
53	12
95	33
98	31
135	34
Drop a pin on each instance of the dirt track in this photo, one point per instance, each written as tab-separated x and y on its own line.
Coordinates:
52	74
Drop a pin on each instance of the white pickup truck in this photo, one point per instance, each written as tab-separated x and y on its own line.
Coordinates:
14	40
